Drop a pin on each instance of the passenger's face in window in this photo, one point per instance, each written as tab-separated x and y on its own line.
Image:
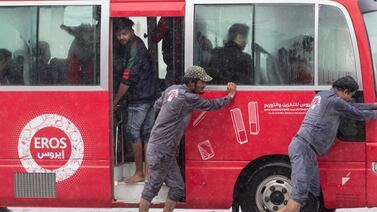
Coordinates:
44	55
124	35
241	40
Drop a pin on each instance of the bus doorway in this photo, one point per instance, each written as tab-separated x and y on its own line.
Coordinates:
163	37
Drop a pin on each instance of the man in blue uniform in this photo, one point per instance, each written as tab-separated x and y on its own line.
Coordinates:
316	136
176	106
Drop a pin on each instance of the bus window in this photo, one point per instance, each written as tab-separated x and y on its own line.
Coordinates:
336	57
284	41
225	56
262	45
52	45
370	23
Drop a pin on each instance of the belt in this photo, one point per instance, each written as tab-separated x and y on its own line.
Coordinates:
307	143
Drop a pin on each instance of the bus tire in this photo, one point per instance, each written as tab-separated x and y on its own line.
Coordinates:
4	210
267	189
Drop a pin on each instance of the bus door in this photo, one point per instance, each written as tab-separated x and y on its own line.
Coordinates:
344	170
369	13
54	94
160	26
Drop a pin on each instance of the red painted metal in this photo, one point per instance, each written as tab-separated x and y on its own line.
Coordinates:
90	185
147	8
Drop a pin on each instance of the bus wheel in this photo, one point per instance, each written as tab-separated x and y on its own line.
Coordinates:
268	188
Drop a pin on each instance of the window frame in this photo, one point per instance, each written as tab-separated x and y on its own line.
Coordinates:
189	27
104	46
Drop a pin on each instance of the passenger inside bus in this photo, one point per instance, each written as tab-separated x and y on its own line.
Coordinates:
168	30
203	49
302	72
5	59
230	63
43	63
10	74
19	62
81	66
292	62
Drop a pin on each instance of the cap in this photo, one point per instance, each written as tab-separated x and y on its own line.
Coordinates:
197	72
122	23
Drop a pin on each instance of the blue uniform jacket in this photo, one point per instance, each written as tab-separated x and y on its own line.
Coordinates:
321	122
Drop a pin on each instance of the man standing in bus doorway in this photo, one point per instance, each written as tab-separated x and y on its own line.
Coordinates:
140	82
176	106
316	136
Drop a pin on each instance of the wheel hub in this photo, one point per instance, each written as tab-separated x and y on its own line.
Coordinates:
273	193
277	198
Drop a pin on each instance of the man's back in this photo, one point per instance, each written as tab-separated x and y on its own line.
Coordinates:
229	63
174	115
322	120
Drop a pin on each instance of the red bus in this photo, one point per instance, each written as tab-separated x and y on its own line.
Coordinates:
62	145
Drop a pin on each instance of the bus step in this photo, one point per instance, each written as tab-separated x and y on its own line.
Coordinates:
131	192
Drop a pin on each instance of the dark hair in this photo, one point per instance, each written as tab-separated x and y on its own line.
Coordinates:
237	29
188	80
5	53
346	83
122	23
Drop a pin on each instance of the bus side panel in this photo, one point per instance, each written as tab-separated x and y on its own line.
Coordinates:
33	126
89	187
210	184
255	124
343	184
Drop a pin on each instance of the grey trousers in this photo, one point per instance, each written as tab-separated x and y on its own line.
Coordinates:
163	168
305	174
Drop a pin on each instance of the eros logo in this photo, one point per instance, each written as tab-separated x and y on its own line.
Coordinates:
51	143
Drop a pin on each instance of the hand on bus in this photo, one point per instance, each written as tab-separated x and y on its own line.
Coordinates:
231	89
375	105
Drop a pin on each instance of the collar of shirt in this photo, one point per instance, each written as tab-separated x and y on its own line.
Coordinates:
186	88
333	91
